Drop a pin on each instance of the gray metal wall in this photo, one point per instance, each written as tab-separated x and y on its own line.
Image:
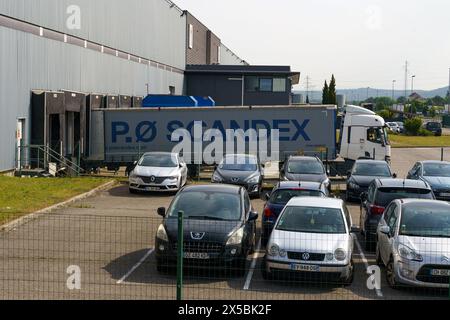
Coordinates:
148	28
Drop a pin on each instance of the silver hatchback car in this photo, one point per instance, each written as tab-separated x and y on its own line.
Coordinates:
414	243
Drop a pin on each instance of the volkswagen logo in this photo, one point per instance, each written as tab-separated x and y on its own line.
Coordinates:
152	178
445	259
197	235
306	256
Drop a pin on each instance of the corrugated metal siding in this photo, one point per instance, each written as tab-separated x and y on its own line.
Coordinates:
147	28
30	62
227	57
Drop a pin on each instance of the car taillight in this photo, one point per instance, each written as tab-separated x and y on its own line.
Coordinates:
376	210
268	213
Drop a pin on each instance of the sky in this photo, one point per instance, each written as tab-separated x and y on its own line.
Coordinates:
364	43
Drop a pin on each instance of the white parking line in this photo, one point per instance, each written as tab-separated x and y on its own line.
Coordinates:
252	267
135	266
366	263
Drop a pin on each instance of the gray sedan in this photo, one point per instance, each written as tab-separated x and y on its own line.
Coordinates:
414	243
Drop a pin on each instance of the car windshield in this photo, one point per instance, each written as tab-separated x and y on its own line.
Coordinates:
239	164
425	220
387	195
207	206
434	125
283	196
305	167
372	170
312	220
436	170
159	161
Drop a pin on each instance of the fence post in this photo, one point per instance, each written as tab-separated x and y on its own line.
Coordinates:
180	257
442	154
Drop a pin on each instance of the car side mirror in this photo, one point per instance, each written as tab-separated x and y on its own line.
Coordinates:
354	229
135	163
394	176
253	216
267	196
385	230
162	212
363	196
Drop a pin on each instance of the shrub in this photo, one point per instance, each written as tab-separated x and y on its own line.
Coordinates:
413	126
425	133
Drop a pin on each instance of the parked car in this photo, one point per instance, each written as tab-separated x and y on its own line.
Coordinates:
393	127
312	238
219	228
305	169
241	170
362	174
158	171
380	194
281	195
414	243
435	127
401	126
436	174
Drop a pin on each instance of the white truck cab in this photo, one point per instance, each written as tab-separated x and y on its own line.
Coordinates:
363	135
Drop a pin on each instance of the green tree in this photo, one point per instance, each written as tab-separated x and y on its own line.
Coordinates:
325	93
401	100
438	101
332	91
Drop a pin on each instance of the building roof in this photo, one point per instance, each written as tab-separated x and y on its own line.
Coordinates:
243	70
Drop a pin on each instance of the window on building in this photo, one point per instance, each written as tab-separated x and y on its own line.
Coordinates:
251	84
279	85
265	84
191	36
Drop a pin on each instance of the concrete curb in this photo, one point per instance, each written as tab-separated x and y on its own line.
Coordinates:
32	216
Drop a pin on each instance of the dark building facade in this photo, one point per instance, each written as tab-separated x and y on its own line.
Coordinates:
202	45
242	85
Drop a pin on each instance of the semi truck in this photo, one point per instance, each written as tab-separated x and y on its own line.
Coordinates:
119	137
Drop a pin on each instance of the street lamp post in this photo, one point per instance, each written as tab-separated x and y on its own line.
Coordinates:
412	92
393	89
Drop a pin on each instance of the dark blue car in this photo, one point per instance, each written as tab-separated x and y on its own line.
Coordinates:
280	196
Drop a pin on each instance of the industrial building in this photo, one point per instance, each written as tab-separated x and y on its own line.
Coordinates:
67	55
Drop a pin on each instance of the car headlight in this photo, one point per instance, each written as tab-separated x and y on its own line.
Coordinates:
236	238
216	178
340	254
161	234
408	253
173	178
253	180
274	250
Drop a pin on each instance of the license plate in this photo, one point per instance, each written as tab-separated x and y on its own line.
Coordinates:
195	255
152	189
303	267
440	273
446	195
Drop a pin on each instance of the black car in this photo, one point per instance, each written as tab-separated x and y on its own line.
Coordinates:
380	194
436	174
362	174
241	170
280	196
219	228
435	127
301	168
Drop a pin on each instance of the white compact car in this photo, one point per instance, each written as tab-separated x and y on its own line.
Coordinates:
158	171
414	243
312	238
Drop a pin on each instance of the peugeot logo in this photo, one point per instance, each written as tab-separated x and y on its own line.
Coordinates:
306	256
197	235
235	179
152	178
445	259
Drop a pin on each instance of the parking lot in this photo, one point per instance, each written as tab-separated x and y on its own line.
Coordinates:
110	237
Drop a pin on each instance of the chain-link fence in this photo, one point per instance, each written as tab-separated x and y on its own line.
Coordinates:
72	256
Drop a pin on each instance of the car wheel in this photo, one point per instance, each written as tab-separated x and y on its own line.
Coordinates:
162	266
266	275
132	191
238	267
253	246
349	280
264	239
390	275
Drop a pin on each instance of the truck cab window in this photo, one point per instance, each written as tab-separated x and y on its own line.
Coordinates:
376	135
